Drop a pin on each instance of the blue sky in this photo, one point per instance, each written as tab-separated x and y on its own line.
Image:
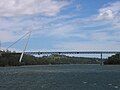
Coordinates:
61	25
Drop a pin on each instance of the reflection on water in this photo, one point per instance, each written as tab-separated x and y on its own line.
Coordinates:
60	77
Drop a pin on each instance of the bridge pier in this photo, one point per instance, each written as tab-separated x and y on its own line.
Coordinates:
119	56
101	58
0	53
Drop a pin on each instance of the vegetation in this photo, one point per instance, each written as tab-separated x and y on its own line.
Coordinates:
114	59
12	59
9	59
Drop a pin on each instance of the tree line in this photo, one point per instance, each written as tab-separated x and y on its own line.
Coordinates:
8	58
114	59
12	59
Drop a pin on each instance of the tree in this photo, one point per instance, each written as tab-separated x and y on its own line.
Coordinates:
114	59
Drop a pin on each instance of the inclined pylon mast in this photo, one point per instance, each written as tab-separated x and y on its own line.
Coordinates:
25	47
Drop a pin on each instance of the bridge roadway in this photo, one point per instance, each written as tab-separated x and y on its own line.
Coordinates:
75	52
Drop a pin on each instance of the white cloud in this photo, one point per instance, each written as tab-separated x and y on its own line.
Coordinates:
105	14
110	11
28	7
62	31
100	36
6	36
75	46
13	20
62	26
19	26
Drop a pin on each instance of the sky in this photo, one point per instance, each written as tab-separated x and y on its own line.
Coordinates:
61	25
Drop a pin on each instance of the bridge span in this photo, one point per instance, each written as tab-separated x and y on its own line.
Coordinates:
75	52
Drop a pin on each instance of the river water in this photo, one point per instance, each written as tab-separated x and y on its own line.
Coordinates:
60	77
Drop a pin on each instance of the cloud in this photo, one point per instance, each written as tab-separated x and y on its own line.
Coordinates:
98	28
16	16
6	36
84	46
104	38
63	31
100	36
111	13
105	14
30	7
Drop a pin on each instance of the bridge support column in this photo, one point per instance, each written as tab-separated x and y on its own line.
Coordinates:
119	55
0	53
101	58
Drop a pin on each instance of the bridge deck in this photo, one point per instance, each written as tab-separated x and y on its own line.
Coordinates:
75	52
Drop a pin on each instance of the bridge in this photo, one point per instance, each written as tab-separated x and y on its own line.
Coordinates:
65	52
75	52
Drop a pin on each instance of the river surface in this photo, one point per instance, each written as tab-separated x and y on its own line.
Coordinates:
60	77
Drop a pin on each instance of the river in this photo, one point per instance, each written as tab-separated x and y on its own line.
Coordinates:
60	77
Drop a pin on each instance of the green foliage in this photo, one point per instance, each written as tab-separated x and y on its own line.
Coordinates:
12	59
114	59
9	59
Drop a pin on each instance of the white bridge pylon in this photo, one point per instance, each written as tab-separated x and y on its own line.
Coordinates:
26	44
25	47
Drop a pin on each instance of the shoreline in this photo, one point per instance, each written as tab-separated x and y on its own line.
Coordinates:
61	64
